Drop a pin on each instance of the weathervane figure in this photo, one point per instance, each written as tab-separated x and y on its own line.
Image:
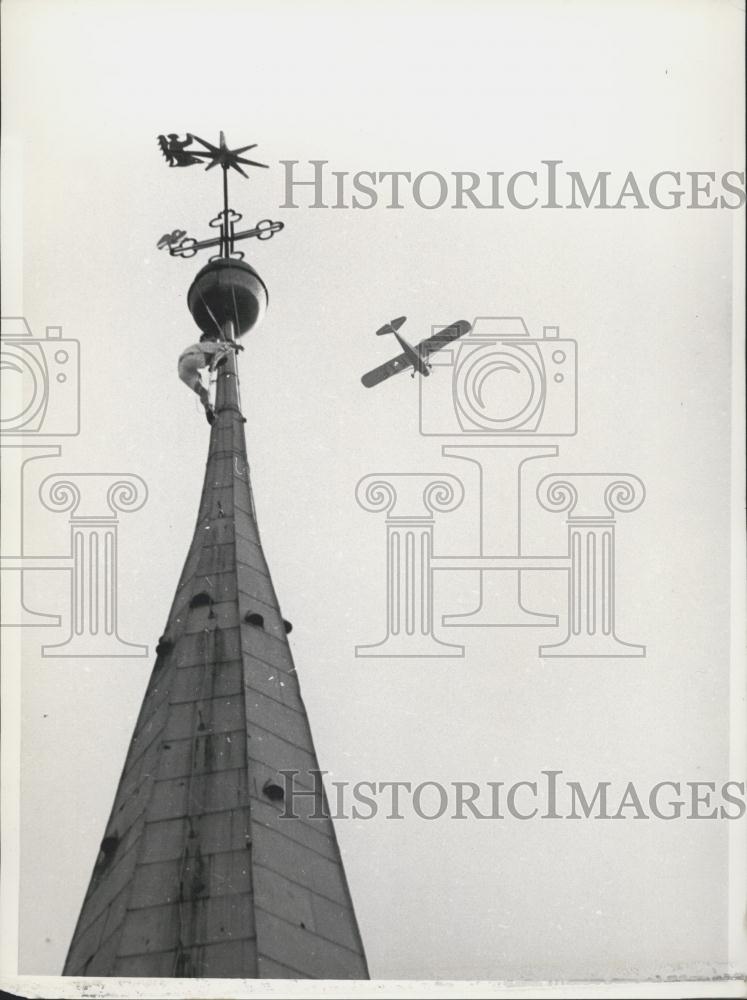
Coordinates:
225	272
174	150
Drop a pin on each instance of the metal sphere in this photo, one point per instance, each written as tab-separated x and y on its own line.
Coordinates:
227	289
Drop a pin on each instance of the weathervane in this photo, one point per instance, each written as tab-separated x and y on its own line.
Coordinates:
181	153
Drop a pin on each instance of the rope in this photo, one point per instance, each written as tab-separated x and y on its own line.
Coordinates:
221	336
236	360
210	311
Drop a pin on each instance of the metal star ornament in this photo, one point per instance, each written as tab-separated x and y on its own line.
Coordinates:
227	158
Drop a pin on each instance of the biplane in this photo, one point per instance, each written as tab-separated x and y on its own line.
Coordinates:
414	357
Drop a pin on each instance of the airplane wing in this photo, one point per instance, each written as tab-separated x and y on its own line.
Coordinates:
443	337
398	364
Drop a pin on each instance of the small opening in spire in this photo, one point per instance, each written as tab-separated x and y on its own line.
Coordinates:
201	600
165	645
106	853
252	618
109	845
288	626
273	791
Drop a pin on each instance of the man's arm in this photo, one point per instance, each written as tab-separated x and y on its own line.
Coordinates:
221	351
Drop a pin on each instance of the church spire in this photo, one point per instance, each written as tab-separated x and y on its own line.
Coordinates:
203	871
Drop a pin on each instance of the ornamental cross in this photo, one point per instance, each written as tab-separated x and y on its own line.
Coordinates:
183	153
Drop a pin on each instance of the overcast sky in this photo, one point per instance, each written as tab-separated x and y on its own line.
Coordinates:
647	295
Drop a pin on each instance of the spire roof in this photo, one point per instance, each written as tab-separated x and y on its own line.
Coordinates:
199	873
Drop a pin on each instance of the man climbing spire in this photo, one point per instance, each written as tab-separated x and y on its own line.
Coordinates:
209	353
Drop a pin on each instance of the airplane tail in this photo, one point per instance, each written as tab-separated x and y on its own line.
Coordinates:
391	327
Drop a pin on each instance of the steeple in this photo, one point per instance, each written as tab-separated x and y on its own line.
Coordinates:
205	870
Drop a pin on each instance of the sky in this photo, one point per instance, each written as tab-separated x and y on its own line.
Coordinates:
649	297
